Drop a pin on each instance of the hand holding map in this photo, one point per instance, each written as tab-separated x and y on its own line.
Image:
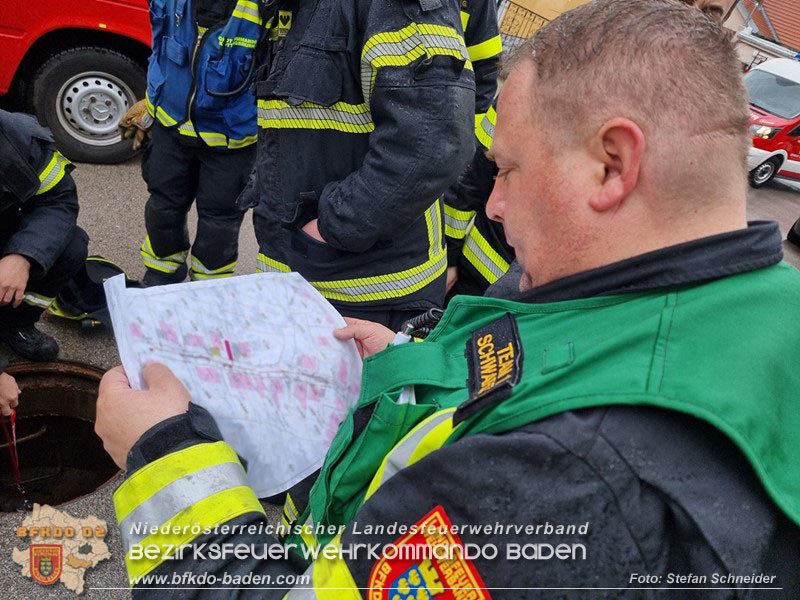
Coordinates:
258	352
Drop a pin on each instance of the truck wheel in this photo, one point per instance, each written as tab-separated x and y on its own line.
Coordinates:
764	172
81	94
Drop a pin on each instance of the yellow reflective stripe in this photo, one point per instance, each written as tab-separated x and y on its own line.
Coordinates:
478	118
457	222
150	108
290	508
331	578
383	287
266	264
485	130
488	49
483	257
402	47
56	309
53	172
248	11
214	510
464	20
165	264
307	533
37	300
211	138
148	480
394	285
427	436
341	116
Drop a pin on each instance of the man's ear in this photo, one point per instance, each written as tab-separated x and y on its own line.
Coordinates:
620	149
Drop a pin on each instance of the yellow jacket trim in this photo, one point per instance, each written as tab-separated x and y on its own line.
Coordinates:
270	265
483	257
457	222
330	578
423	439
53	172
404	46
341	116
148	480
485	131
488	49
248	11
210	511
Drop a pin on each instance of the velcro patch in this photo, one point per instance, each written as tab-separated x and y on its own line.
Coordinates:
494	358
427	563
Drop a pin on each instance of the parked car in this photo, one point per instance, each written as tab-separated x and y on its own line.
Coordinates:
774	90
78	65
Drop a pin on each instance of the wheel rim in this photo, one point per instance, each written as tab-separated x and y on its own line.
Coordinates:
90	105
764	171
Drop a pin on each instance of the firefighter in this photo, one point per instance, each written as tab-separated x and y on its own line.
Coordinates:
610	411
200	113
365	113
42	247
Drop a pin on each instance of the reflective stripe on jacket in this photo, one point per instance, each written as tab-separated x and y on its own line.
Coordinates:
365	118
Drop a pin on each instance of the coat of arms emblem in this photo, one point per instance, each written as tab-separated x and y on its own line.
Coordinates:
46	562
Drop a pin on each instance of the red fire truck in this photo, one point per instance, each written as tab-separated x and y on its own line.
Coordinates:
78	65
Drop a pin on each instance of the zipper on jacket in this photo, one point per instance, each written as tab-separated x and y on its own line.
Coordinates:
193	91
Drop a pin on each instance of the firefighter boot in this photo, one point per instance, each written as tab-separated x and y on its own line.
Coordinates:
29	342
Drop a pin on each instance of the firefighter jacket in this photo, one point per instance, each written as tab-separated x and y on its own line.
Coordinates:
635	418
38	200
484	46
198	78
475	243
365	118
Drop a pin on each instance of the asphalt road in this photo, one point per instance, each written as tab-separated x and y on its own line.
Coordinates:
112	212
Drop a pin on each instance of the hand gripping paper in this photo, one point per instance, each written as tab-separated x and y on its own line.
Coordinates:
258	352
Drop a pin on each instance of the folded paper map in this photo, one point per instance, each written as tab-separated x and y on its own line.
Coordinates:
258	352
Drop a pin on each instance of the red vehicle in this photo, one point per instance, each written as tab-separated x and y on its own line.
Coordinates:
78	65
774	90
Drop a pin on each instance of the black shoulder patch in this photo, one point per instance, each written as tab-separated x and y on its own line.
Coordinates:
494	358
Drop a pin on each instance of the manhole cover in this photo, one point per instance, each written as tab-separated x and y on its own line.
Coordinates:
60	457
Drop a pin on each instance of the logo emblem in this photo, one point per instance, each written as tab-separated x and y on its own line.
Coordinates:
46	562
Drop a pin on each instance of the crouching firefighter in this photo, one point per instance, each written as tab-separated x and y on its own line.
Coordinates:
201	116
42	247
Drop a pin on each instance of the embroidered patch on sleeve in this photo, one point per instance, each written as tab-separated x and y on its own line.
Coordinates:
494	358
427	563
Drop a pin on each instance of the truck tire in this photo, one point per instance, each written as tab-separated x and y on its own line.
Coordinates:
81	94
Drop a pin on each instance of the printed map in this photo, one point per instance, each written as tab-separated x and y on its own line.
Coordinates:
258	352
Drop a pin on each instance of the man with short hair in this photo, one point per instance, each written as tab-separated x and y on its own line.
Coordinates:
628	420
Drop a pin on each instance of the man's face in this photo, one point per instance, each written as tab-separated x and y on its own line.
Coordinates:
538	187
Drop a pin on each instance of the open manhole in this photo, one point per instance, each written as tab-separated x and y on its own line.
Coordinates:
60	456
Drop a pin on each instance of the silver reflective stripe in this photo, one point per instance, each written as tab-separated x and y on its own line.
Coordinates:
378	287
37	300
452	220
355	115
396	48
479	256
177	496
53	173
436	217
248	11
398	458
